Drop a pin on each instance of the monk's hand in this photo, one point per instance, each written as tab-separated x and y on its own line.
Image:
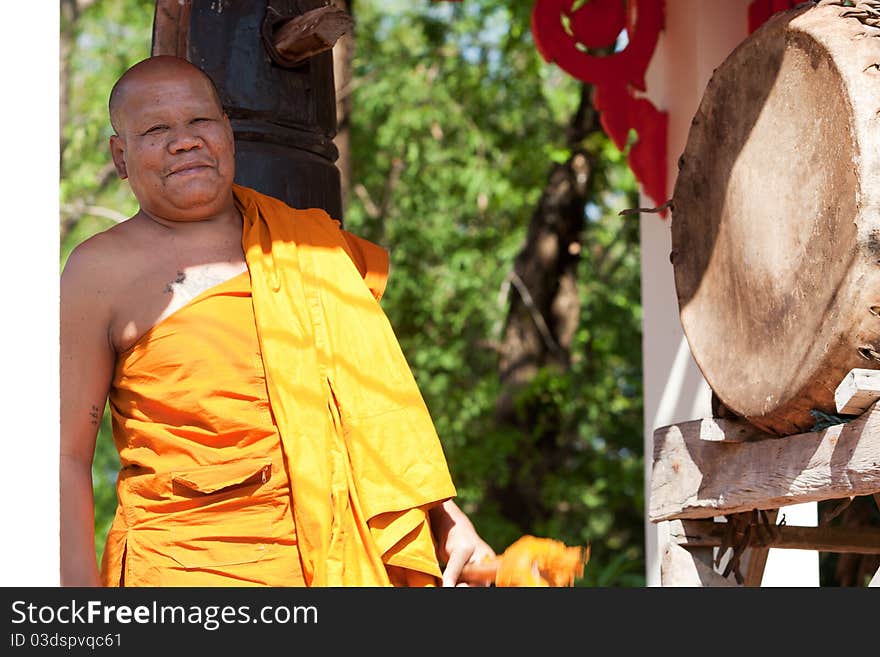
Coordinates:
457	541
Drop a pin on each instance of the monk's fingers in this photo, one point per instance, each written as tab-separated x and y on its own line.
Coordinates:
483	552
457	559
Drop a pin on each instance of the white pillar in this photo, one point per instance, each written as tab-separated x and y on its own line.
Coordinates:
698	37
29	331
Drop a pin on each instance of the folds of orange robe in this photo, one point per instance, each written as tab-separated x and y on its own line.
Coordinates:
364	459
221	423
204	498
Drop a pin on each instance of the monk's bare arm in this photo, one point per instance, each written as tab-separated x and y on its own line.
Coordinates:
87	359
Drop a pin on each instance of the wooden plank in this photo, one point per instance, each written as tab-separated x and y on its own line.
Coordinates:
723	430
859	389
311	33
680	568
707	533
755	560
695	478
852	540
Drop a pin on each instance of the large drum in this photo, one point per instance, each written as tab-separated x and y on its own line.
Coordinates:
776	216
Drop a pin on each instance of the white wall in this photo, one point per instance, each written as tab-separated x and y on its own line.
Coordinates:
29	330
698	37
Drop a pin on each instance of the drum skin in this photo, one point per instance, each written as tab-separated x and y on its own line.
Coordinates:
776	216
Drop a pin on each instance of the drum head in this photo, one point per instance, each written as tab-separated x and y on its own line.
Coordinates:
776	220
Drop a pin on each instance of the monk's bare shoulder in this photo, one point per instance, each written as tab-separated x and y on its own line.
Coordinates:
100	268
96	264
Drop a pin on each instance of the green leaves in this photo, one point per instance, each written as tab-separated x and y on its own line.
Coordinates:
105	469
462	98
103	40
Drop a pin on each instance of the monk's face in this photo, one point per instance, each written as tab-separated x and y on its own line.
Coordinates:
175	145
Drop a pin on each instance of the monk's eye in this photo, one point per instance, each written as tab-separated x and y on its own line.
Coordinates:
155	129
201	119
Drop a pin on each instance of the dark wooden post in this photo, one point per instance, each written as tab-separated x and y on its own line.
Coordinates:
278	93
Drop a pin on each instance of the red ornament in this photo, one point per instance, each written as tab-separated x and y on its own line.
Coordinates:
761	10
568	37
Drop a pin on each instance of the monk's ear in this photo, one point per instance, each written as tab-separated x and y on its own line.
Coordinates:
117	152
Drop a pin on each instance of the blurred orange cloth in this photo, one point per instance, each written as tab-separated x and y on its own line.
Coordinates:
533	561
270	431
530	561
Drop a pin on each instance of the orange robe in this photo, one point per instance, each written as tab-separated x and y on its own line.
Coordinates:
278	437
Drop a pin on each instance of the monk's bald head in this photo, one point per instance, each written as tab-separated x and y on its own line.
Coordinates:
151	69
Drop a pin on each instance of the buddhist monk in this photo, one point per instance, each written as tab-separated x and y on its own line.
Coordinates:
269	430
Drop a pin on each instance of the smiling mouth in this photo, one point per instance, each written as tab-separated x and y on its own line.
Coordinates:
195	168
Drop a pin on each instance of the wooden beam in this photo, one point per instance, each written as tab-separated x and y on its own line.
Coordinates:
680	567
728	430
857	540
859	389
752	562
696	478
755	558
171	20
311	33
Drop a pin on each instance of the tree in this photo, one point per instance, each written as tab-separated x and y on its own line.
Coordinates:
99	40
467	150
342	75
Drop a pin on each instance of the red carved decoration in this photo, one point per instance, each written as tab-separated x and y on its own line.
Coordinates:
565	36
761	10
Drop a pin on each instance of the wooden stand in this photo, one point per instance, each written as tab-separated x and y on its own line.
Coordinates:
709	468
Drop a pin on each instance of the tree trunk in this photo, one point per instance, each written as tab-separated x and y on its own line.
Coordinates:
67	17
69	13
543	311
343	53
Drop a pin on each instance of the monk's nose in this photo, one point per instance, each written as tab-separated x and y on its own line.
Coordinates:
184	141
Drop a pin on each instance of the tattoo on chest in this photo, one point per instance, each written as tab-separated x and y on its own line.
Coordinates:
95	414
192	283
181	277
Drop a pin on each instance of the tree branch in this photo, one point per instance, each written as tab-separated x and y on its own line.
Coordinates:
536	315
